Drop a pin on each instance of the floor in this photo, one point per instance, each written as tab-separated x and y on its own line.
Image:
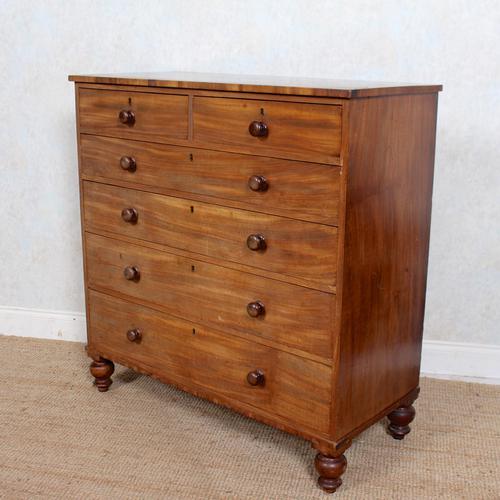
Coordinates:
60	438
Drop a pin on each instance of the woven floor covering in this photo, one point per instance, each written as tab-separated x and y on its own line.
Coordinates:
62	439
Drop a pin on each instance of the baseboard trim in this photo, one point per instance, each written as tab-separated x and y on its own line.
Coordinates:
459	359
454	360
43	324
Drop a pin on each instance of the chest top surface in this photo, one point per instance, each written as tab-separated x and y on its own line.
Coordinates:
284	85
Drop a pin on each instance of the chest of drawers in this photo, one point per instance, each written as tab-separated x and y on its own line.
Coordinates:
261	243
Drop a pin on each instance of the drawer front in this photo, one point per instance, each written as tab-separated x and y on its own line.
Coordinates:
290	247
287	385
300	131
155	117
307	191
289	314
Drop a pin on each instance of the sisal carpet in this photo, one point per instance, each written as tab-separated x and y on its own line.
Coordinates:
62	439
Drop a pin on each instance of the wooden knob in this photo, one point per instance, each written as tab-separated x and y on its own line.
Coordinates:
258	129
128	163
126	116
134	335
132	273
256	242
130	215
256	377
256	309
258	183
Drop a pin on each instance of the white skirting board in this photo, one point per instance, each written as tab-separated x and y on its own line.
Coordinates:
477	362
461	360
43	324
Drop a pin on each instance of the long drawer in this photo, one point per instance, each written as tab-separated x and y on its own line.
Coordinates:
299	131
193	355
307	191
267	242
134	115
228	300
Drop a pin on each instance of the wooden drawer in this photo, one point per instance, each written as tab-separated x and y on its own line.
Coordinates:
294	388
295	248
307	191
300	131
293	315
157	117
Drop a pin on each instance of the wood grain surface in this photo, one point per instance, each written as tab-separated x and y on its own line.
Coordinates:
385	256
305	191
213	295
281	85
158	117
293	387
293	248
308	132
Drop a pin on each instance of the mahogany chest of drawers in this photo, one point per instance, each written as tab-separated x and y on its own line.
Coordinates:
261	243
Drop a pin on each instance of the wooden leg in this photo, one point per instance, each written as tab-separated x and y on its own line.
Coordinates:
102	369
399	420
330	469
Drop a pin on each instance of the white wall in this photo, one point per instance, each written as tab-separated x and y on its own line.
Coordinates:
456	43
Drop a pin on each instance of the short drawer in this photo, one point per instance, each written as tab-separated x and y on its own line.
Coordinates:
277	244
195	356
306	191
222	298
133	115
299	131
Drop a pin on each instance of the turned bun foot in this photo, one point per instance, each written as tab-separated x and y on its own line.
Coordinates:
330	469
102	369
399	420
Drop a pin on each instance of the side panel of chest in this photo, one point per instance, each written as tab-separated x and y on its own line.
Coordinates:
386	245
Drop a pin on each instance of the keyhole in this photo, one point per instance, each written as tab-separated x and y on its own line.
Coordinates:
191	156
192	209
262	111
130	101
194	331
193	269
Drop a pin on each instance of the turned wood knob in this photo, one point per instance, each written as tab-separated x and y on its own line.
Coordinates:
128	163
399	419
258	129
256	309
256	377
256	242
102	369
132	273
130	215
258	183
134	335
126	116
330	469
